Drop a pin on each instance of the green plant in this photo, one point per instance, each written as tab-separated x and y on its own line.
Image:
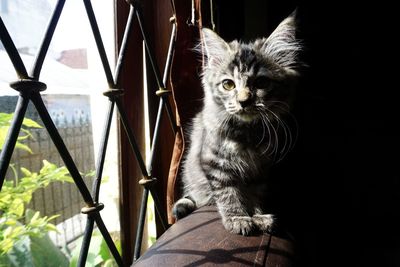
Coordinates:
98	254
24	239
15	195
23	232
151	222
5	122
33	249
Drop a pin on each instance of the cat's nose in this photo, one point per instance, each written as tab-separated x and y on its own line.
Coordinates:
244	97
245	103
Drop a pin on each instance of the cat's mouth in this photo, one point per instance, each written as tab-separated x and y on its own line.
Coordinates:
247	114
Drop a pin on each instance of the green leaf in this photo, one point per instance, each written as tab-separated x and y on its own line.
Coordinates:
7	232
90	174
31	123
107	257
24	137
35	217
20	255
109	263
5	119
28	133
48	164
53	217
5	122
51	227
3	135
17	207
10	222
105	179
75	254
25	171
5	197
26	196
4	261
46	254
98	254
23	147
6	245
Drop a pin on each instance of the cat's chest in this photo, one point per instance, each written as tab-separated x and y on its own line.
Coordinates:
233	149
239	158
237	144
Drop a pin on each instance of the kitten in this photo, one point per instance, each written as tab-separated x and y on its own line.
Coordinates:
238	134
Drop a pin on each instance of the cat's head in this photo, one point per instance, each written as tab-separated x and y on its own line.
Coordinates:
249	79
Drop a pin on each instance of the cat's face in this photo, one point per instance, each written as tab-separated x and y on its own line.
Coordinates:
250	80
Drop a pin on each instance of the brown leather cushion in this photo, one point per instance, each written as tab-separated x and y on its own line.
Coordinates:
201	240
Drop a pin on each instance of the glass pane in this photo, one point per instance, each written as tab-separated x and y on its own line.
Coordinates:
26	22
75	82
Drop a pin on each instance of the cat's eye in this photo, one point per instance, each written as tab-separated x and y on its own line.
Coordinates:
262	82
228	84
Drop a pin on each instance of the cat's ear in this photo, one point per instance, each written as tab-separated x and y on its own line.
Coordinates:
215	48
282	46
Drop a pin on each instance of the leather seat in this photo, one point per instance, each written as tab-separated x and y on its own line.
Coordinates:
201	240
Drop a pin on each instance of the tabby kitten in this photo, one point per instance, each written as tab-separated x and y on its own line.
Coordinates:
241	130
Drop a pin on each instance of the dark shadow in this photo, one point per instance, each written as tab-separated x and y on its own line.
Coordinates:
187	231
215	255
222	256
218	256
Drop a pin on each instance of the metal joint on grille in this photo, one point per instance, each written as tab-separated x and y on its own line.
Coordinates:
162	92
26	85
133	2
92	209
112	93
147	181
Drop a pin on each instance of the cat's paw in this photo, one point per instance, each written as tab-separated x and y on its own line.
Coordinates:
239	224
264	222
183	207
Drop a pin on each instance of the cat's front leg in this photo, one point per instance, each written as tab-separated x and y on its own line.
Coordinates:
183	207
232	207
263	222
238	224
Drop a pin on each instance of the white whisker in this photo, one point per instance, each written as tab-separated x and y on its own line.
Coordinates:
283	151
274	136
281	131
263	133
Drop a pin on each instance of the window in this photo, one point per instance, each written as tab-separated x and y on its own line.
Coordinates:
4	6
75	81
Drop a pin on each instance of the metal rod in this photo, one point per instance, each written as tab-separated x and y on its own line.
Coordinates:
12	51
148	50
140	227
163	102
131	138
161	84
155	136
171	49
99	42
86	241
62	149
170	114
12	135
107	237
159	210
102	152
37	66
167	68
124	43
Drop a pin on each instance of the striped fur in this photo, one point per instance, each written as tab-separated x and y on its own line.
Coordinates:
242	129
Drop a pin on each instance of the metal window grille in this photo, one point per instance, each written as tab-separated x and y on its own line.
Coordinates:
30	87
